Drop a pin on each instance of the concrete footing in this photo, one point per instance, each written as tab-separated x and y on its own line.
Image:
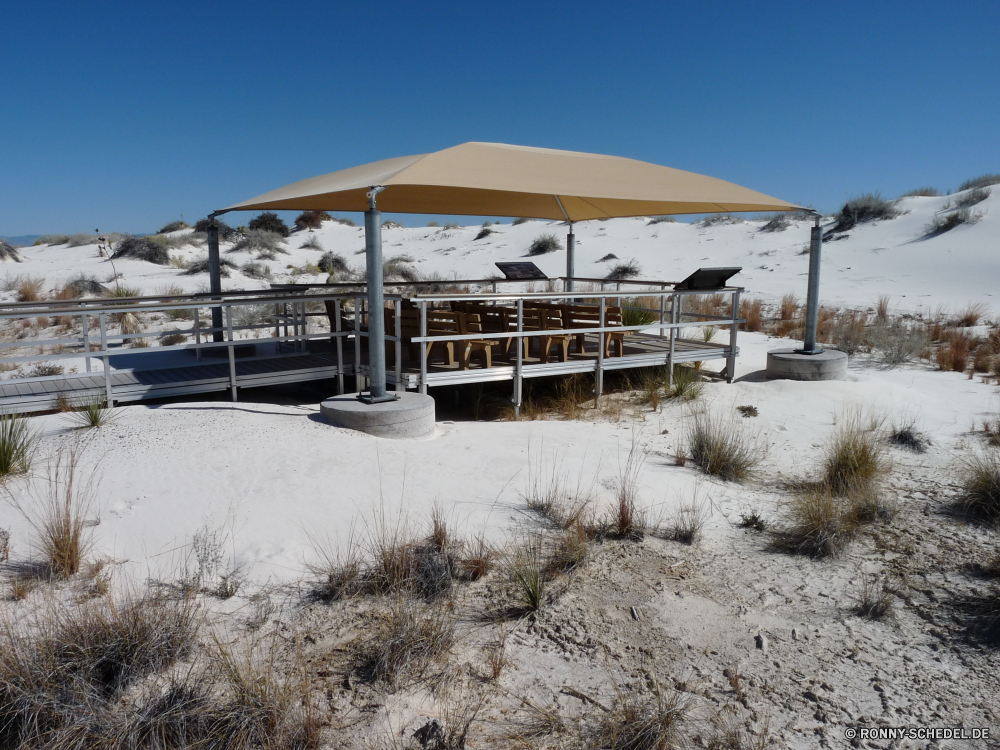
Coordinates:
411	416
787	364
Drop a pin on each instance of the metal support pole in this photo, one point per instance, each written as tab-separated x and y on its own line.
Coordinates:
215	278
197	334
663	308
398	333
109	396
376	313
599	388
673	337
357	344
423	347
568	284
86	341
809	345
731	359
518	362
340	349
232	354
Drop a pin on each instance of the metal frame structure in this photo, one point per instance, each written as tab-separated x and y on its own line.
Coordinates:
217	364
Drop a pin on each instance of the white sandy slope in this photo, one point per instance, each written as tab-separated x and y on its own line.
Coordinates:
275	478
894	257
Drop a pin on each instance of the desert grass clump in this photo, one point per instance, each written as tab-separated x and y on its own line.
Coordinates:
922	192
722	447
543	244
29	288
527	570
93	411
903	433
142	248
864	208
973	197
399	268
855	459
640	721
9	252
311	220
628	521
410	638
174	226
971	314
201	265
688	522
629	269
849	334
822	524
985	180
259	241
636	313
312	243
874	600
255	270
478	560
980	495
82	285
752	313
778	223
332	263
953	353
661	220
17	444
687	384
789	306
946	222
897	343
483	233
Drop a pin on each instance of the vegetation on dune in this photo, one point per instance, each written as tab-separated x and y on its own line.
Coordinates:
142	248
269	222
543	244
311	219
864	208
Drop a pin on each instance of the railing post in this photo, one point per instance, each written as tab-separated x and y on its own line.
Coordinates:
519	360
673	338
197	334
599	388
733	329
423	347
232	355
108	394
494	287
340	349
357	344
663	304
399	345
86	341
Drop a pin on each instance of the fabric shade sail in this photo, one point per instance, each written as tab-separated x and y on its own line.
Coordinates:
495	179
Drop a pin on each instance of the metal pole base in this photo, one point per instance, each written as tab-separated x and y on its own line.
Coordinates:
817	350
366	397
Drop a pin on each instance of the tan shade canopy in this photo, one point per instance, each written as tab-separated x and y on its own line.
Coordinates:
495	179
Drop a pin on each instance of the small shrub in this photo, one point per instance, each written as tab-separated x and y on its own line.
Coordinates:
259	241
83	286
627	270
635	313
747	411
721	220
687	384
17	444
543	244
226	232
332	263
527	571
855	459
688	522
398	268
174	226
29	288
822	524
59	518
52	240
484	233
451	225
172	339
570	551
390	224
849	334
433	224
202	266
312	243
722	448
410	639
980	495
866	207
972	314
255	270
779	223
789	306
8	252
947	222
479	559
874	598
178	261
269	222
752	314
924	192
43	370
904	434
954	354
608	257
520	220
142	248
93	411
898	343
752	519
642	721
311	219
980	182
662	220
973	197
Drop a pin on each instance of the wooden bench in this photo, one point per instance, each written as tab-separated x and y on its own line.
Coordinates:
442	323
589	316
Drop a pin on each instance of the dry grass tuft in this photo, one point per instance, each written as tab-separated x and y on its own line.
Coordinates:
753	315
722	447
527	571
17	444
479	559
874	598
59	517
689	521
687	385
822	524
639	721
856	459
410	639
980	496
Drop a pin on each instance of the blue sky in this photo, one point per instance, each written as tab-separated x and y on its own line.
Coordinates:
124	115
